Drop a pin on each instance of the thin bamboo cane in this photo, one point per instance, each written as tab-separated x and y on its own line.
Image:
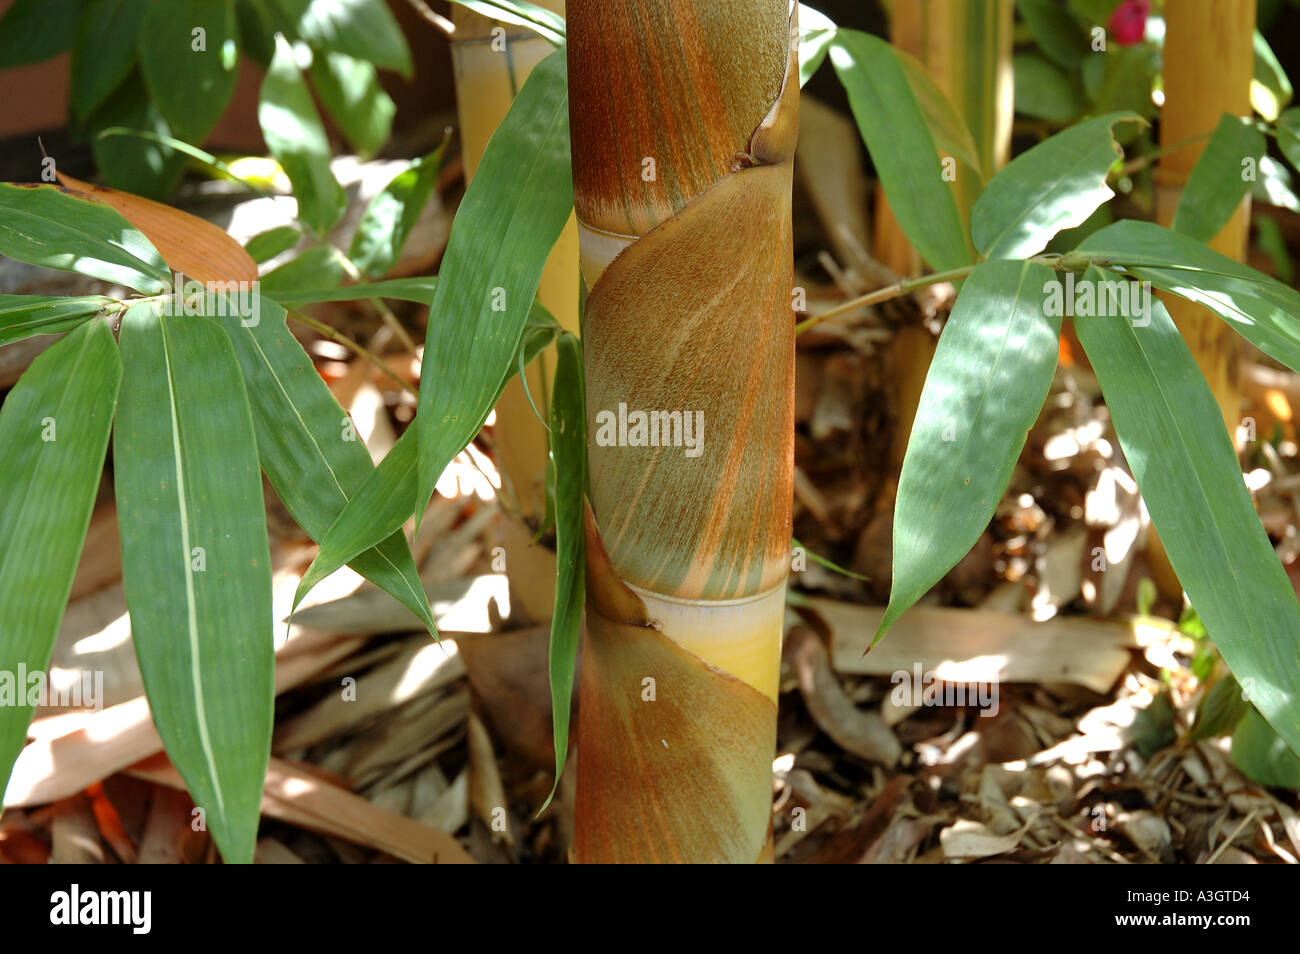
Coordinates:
491	61
683	116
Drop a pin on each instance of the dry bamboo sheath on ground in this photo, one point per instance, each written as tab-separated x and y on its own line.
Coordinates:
684	117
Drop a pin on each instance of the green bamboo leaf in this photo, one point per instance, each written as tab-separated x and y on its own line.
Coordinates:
350	91
172	143
308	447
190	74
816	31
1170	429
1270	89
147	165
419	290
545	23
259	22
1288	136
894	127
295	136
990	375
1057	33
54	428
1122	79
1261	310
30	31
1220	710
320	265
1054	186
511	216
265	246
828	564
1221	178
1262	755
382	504
951	135
103	51
569	453
22	316
196	564
363	29
1044	91
391	215
43	225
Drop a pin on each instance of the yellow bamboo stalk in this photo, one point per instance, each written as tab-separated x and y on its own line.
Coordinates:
1208	65
683	115
491	60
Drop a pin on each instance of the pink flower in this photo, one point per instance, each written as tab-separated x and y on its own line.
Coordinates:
1129	21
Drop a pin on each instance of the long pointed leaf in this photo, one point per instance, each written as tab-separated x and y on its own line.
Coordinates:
190	77
22	316
1219	180
987	382
1172	434
309	449
894	127
383	502
1263	311
54	430
295	136
196	563
43	225
512	213
569	450
1054	186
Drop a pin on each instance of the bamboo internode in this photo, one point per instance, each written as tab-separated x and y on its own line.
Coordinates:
683	119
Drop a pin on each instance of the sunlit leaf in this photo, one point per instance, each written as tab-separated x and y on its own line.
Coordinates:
383	502
1260	309
512	213
294	134
390	216
543	22
364	29
349	88
1270	89
989	377
315	267
816	30
43	225
265	246
1054	186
